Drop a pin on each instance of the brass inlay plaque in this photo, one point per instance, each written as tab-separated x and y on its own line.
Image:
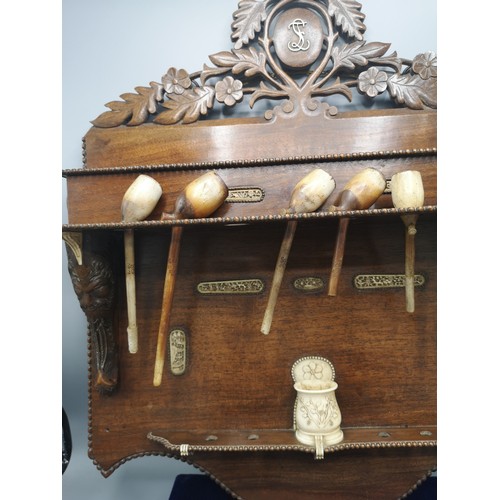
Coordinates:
245	195
371	281
178	351
308	284
231	287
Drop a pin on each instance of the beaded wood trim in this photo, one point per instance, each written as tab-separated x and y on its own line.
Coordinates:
185	449
108	472
293	160
250	219
182	451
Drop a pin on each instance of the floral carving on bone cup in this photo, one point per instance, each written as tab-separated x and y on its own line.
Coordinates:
319	413
425	65
229	91
176	81
372	82
313	371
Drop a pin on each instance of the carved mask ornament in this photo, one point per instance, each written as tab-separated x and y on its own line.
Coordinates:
94	287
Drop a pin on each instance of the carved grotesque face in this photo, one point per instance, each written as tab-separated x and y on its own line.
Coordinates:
93	286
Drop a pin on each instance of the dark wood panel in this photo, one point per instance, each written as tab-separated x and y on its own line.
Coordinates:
253	139
97	198
238	378
350	475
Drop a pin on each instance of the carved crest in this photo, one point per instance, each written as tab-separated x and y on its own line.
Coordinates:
299	52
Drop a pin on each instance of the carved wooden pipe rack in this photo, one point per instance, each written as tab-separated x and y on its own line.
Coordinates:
226	401
232	239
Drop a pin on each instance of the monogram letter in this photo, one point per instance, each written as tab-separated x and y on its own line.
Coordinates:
302	43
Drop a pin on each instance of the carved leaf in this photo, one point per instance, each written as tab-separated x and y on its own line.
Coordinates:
187	106
248	21
265	91
119	114
209	72
151	96
336	88
251	61
357	54
392	61
412	91
348	16
224	59
135	107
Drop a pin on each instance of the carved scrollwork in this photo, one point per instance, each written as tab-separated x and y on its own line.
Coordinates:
321	40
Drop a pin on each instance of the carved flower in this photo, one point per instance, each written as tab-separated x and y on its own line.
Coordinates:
176	81
372	82
229	91
313	371
425	65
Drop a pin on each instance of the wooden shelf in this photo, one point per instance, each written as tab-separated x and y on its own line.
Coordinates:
188	442
250	219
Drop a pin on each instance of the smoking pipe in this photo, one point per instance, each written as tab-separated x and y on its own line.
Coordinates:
360	193
408	192
307	196
200	198
138	202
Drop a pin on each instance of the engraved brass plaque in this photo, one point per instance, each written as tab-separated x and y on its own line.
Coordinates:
231	287
178	351
309	284
245	195
372	281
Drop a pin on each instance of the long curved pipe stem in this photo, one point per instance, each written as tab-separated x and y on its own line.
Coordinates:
279	271
338	256
132	333
168	295
410	267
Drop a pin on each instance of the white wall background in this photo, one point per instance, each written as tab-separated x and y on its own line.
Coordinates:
108	48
